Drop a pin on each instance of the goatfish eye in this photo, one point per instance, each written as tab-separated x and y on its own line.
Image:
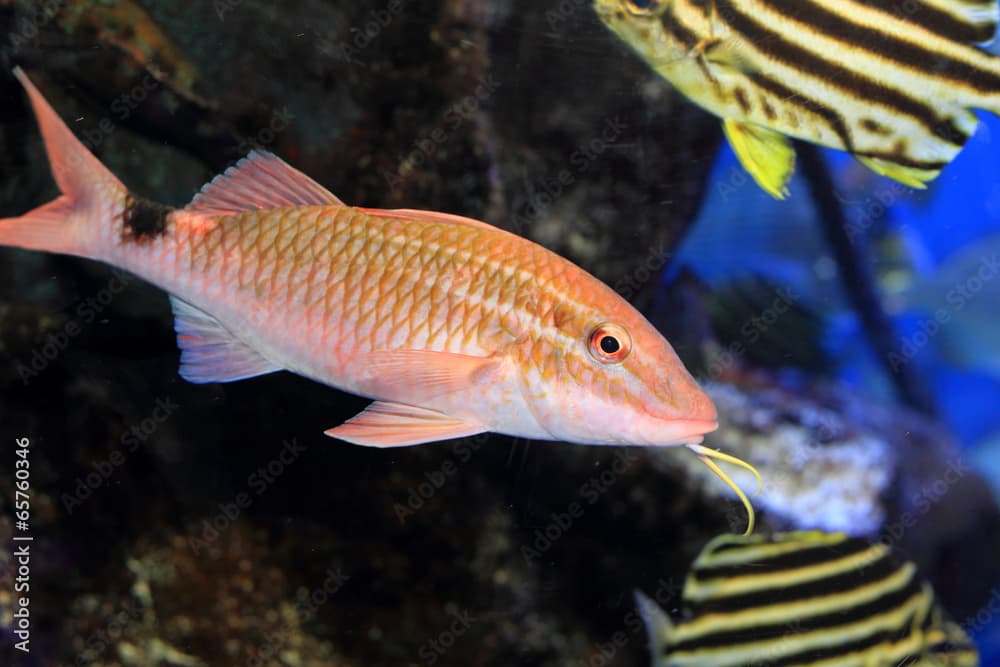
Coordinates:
610	343
642	7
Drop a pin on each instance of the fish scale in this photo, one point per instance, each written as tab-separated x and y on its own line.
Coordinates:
379	272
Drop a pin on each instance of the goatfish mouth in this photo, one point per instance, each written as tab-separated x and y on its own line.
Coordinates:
686	432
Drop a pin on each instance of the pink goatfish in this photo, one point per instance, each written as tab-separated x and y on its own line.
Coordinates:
453	326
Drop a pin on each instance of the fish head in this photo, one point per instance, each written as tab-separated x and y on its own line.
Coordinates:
601	374
638	23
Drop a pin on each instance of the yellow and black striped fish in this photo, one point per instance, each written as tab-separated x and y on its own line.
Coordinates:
891	81
804	599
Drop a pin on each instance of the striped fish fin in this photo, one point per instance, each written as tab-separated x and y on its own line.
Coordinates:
972	21
800	598
767	155
947	643
914	177
658	627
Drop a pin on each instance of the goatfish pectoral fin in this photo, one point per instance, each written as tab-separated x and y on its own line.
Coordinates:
658	625
706	455
434	373
385	424
767	155
911	176
390	424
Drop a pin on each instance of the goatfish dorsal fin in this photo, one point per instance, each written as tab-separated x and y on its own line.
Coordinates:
261	180
767	155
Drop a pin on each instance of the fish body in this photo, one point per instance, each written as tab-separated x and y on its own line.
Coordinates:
453	326
894	86
806	598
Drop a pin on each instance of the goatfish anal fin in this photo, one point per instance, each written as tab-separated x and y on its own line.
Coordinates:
387	424
706	455
210	352
766	154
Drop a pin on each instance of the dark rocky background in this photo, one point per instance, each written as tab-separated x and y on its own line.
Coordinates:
158	540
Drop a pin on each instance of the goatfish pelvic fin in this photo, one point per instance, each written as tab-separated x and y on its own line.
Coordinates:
388	424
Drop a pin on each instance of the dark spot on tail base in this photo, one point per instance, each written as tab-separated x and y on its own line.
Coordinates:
143	219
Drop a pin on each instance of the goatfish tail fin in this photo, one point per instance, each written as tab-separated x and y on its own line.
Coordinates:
68	224
658	626
706	455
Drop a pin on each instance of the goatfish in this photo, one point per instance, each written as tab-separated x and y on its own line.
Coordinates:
892	85
454	327
804	599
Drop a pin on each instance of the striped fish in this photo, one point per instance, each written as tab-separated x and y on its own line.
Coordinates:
892	82
453	326
801	599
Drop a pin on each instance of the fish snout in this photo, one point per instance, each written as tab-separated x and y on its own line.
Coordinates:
700	408
690	416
